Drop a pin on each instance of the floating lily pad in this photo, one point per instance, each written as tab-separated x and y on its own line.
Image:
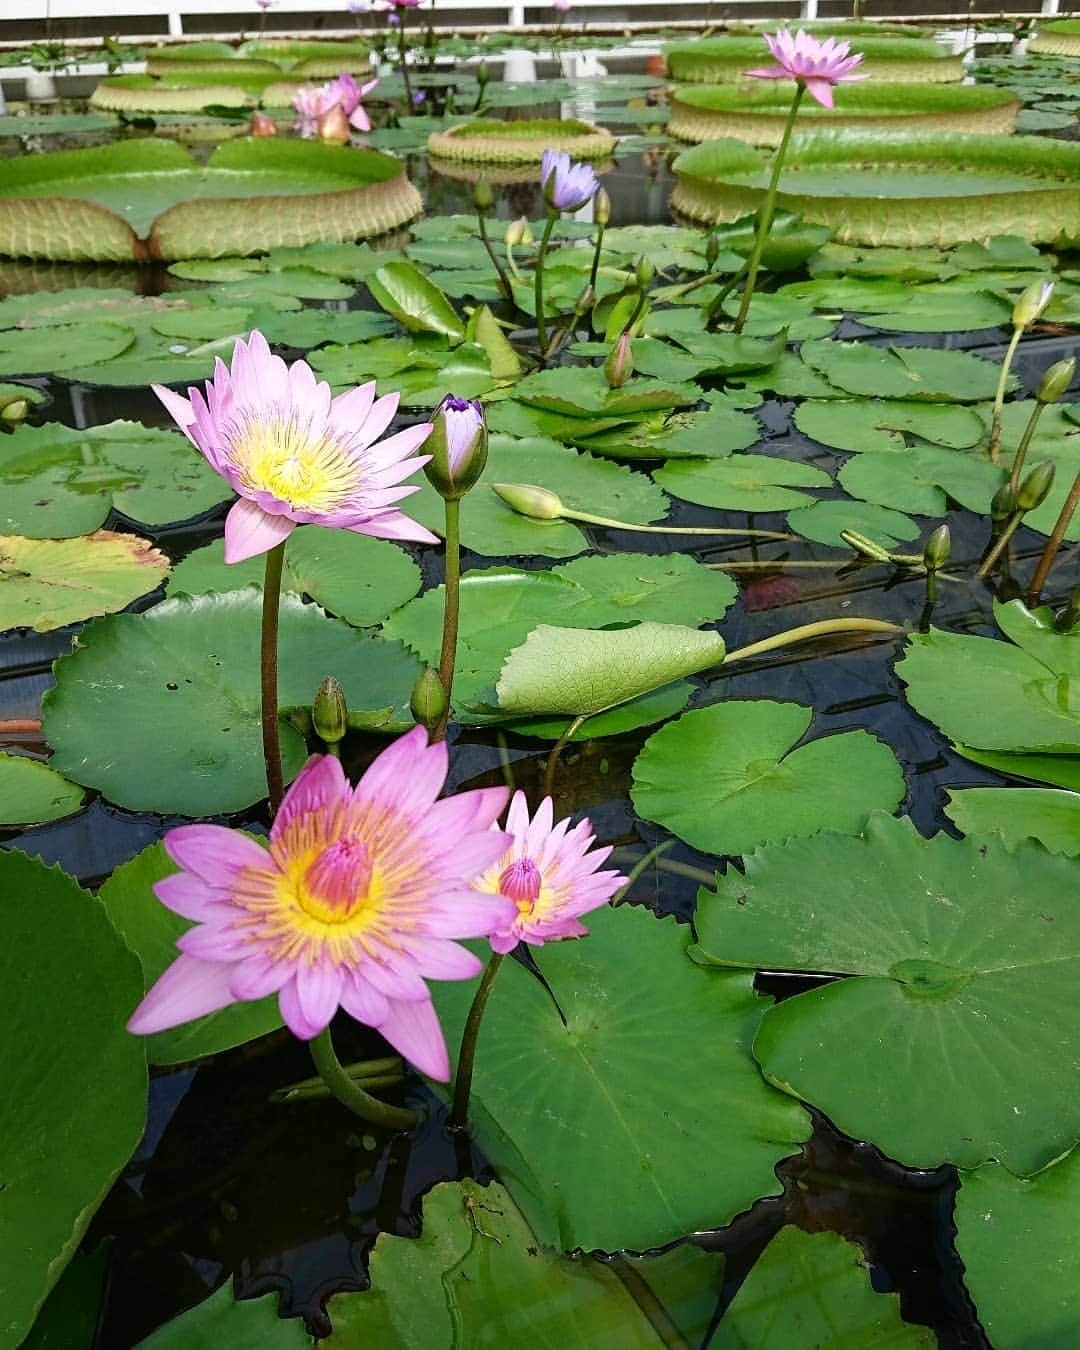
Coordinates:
1061	770
35	351
742	482
813	1289
69	983
223	1322
924	373
183	681
644	711
415	301
1052	817
151	930
962	957
1027	693
825	521
47	583
358	578
1017	1240
728	778
501	606
889	58
863	425
613	1159
31	793
490	140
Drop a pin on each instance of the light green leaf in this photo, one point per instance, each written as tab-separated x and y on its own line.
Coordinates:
221	1322
1046	814
825	520
742	482
934	374
873	425
404	292
31	792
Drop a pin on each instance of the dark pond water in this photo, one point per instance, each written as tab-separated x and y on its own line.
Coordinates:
291	1198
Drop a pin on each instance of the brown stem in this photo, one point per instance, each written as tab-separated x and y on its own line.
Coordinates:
1049	553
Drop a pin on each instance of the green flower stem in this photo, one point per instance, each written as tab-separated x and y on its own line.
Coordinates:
538	282
350	1094
556	750
271	739
669	293
716	304
670	865
999	397
768	210
587	519
1000	545
500	271
654	1312
451	608
596	255
367	1074
1022	448
653	856
824	628
467	1055
1057	535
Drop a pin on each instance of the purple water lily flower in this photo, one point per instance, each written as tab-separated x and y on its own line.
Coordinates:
567	186
458	446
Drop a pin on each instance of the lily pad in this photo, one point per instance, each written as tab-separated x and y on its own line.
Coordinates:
613	1159
183	681
151	931
1027	693
62	1138
222	1322
728	778
360	579
825	520
874	425
48	583
932	374
1050	816
1062	770
410	297
742	482
35	351
31	792
959	1011
813	1289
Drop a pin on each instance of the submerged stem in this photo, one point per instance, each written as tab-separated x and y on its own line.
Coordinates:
451	607
556	750
350	1094
824	628
467	1055
275	783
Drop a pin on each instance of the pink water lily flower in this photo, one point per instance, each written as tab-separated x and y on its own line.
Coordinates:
295	454
355	904
311	102
549	872
816	64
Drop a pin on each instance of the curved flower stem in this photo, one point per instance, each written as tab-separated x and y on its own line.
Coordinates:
768	210
556	750
716	304
451	608
500	271
538	283
824	628
1022	448
999	397
587	519
1000	545
467	1055
654	1312
350	1094
596	255
653	856
1049	553
275	783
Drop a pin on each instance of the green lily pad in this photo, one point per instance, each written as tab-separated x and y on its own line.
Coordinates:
894	479
57	482
874	425
415	301
1003	1221
360	579
1027	693
742	482
31	792
182	680
69	1316
728	778
644	711
583	391
151	930
69	984
222	1322
613	1159
308	328
825	520
490	527
932	374
963	957
48	583
476	1277
1062	770
813	1289
790	377
501	606
38	351
1046	814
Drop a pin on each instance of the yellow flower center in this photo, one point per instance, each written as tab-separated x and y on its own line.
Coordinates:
310	470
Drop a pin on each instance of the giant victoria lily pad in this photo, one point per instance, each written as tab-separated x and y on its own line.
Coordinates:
491	140
895	188
724	60
757	114
1060	38
147	199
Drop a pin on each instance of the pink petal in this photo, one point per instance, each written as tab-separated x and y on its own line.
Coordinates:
378	419
215	940
258	976
464	914
439	960
413	1030
318	991
178	408
187	896
188	989
821	90
399	980
393	525
472	854
349	410
476	809
408	775
214	853
319	787
770	73
403	443
505	942
250	531
362	1001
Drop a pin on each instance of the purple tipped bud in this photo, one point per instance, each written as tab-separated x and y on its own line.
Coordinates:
1031	304
529	500
458	446
329	714
1055	383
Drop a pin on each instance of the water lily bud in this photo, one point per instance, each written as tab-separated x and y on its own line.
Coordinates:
515	232
428	701
1032	303
261	125
866	547
1032	491
712	252
1003	504
329	715
644	272
937	549
333	126
585	301
529	500
15	411
601	208
619	365
482	74
483	197
458	446
1056	381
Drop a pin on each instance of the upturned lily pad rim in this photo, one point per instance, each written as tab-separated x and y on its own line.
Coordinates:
492	140
892	58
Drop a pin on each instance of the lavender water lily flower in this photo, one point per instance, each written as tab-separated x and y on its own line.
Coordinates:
567	186
816	64
458	446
